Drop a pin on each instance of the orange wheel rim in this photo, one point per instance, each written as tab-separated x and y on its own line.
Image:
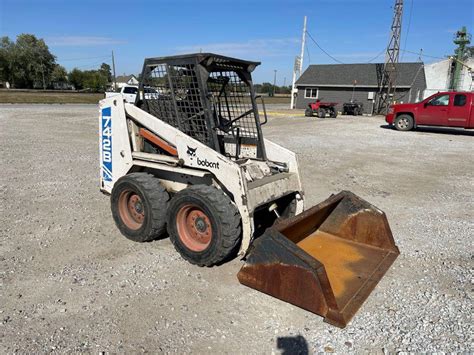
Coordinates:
131	209
194	228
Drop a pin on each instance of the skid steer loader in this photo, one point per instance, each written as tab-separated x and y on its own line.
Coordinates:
189	158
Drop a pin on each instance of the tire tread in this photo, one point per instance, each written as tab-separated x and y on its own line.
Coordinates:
159	200
230	223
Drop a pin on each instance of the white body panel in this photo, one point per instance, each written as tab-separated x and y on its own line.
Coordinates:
115	152
248	184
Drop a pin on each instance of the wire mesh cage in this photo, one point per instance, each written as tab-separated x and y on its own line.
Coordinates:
175	98
208	97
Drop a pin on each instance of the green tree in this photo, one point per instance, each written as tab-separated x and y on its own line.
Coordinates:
59	74
6	59
26	63
106	71
266	88
95	80
33	62
76	78
284	89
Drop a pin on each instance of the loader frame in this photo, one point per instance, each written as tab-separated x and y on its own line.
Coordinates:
195	163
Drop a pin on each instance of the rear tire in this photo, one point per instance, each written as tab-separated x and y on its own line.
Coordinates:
308	112
139	203
322	113
204	225
334	113
404	123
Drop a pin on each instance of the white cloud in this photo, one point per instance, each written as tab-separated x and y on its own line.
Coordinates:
254	47
60	41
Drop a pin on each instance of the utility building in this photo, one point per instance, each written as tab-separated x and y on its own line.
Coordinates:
359	82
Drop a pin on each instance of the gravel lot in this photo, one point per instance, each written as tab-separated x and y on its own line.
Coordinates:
69	282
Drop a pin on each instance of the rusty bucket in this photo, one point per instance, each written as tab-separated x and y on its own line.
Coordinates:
326	260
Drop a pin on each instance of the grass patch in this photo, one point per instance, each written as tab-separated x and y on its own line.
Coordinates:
276	100
48	97
66	97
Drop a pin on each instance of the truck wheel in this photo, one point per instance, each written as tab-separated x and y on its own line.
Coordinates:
139	203
404	123
322	113
204	225
308	112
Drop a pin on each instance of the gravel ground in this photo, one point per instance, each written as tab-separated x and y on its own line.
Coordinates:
69	282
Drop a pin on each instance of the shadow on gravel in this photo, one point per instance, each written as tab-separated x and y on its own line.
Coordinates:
439	130
293	345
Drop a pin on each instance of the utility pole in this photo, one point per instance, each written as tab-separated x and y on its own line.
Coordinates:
284	81
274	81
113	69
387	89
298	67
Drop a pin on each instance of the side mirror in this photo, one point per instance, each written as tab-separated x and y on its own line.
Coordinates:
426	104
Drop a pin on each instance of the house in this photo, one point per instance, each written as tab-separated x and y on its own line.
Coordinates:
123	80
360	82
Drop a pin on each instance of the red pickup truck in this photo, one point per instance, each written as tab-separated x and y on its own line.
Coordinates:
452	109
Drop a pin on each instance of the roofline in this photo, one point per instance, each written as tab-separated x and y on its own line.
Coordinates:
316	65
200	56
127	76
348	86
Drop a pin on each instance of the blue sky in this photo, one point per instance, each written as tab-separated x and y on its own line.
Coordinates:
83	33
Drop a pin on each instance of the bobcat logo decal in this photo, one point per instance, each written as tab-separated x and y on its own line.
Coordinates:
191	152
204	163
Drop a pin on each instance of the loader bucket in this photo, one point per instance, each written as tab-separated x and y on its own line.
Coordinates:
326	260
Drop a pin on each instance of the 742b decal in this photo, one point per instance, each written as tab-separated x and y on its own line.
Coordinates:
106	144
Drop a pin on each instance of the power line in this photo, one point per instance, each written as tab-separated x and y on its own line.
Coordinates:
413	81
316	43
408	29
422	54
307	51
73	59
91	65
378	55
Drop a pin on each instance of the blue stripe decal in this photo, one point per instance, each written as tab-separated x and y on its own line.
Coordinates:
106	133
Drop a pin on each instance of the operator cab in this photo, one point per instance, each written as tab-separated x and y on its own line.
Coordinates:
209	97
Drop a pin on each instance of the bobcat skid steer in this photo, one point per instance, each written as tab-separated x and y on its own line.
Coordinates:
189	159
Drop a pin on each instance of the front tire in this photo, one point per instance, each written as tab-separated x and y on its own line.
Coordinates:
204	225
139	203
322	113
308	112
404	123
